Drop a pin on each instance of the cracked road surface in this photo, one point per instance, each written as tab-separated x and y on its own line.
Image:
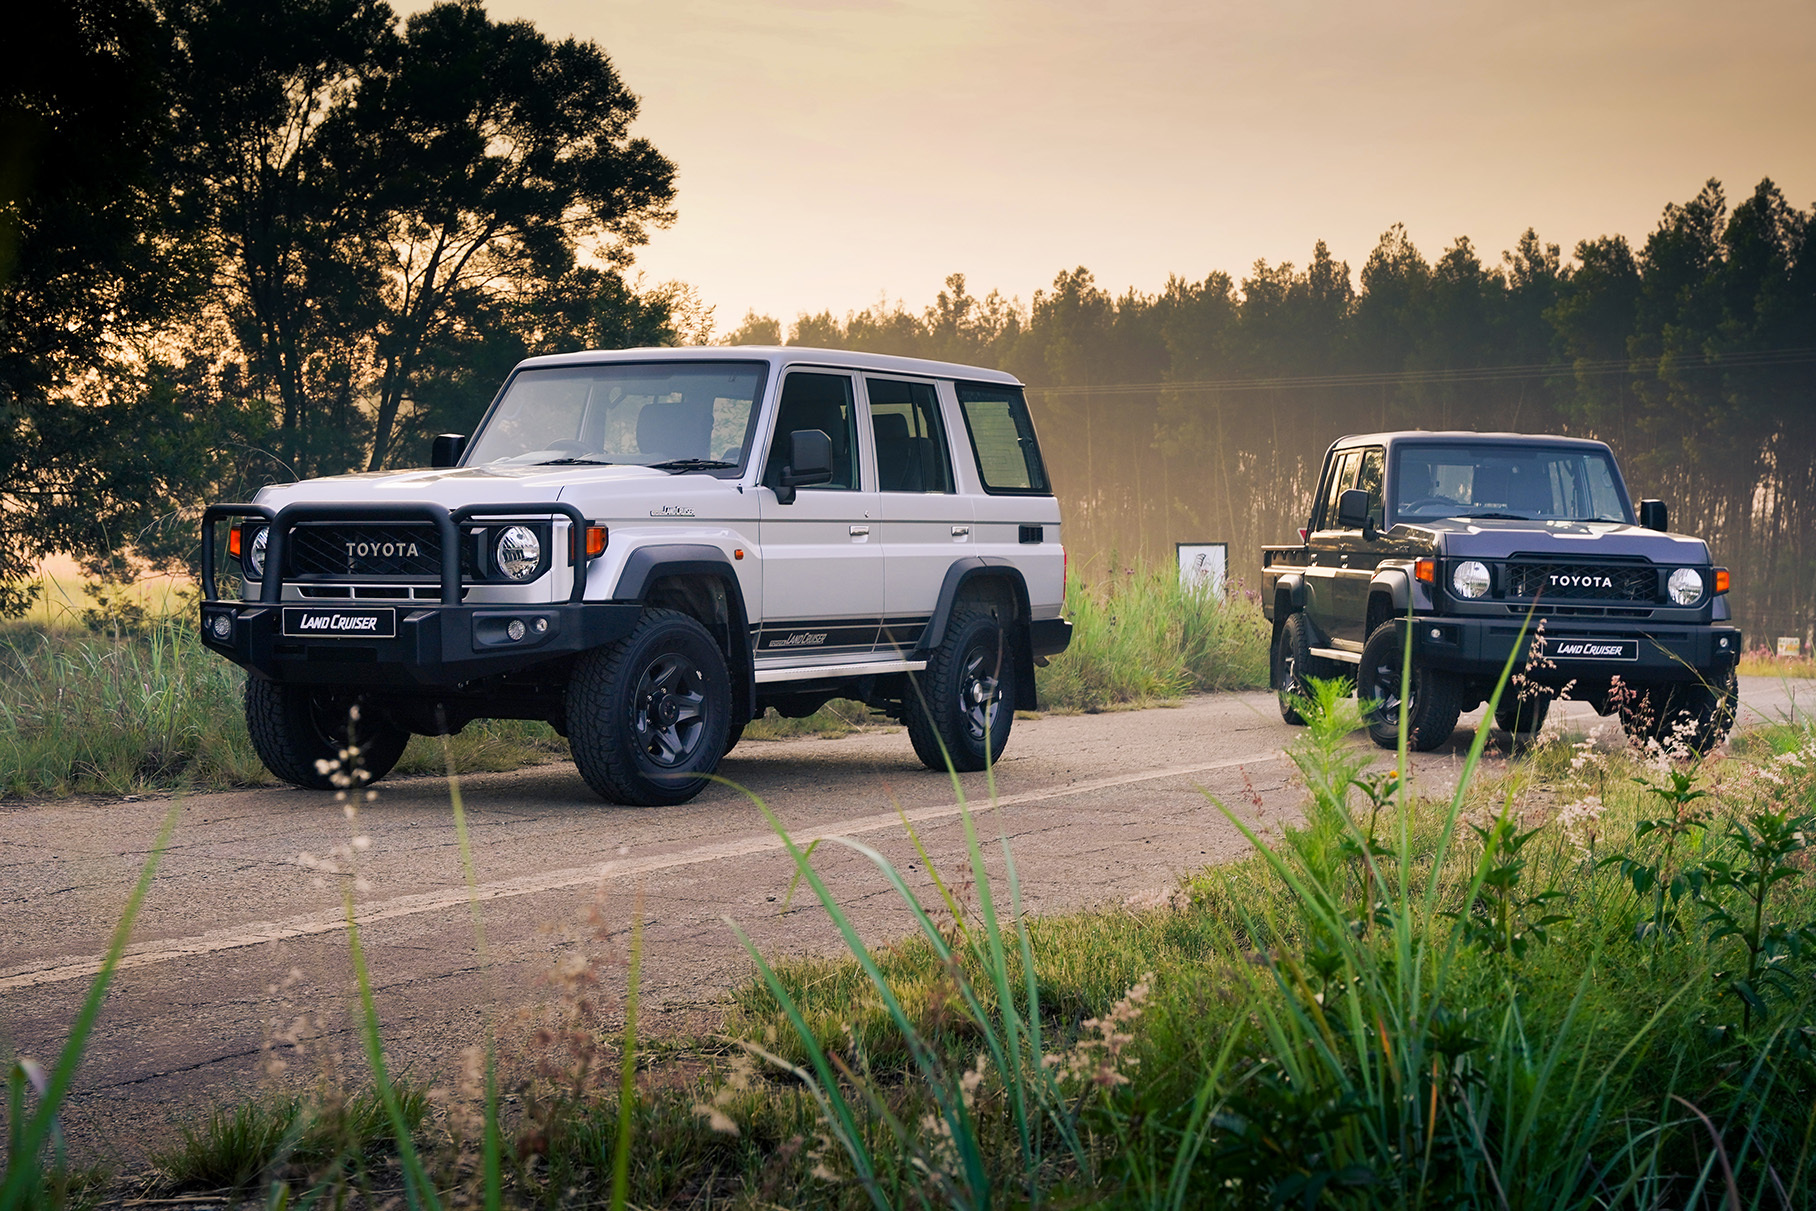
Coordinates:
240	953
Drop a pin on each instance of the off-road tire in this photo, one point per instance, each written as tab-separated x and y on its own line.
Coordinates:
295	726
734	734
1293	662
1522	718
1705	712
1431	714
649	715
942	705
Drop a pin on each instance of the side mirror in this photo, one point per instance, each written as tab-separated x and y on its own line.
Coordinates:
447	449
1652	514
809	463
1352	509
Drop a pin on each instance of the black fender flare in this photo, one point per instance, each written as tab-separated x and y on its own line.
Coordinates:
1290	596
1396	584
985	567
647	565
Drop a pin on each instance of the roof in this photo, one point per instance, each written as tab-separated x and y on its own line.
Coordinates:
1460	435
778	356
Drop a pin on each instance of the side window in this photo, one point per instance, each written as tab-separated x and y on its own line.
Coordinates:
910	441
823	402
1369	480
1342	478
1002	440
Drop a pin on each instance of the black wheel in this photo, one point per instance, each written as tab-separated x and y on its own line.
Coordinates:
1431	713
649	716
1691	716
733	734
1293	662
1522	717
965	699
300	733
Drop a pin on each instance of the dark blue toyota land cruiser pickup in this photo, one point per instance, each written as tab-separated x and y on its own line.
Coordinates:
1458	542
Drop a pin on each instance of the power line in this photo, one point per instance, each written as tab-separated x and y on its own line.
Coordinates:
1762	358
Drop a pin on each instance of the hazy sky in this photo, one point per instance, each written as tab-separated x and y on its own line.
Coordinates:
832	152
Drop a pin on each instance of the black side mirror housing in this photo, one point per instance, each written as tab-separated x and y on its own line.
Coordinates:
1652	515
447	449
809	463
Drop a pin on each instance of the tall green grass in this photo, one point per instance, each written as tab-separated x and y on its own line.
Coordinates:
153	709
1141	636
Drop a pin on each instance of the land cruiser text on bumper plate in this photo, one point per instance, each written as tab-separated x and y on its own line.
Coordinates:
1593	649
306	623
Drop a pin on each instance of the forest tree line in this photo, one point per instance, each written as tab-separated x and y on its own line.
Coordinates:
1202	413
243	242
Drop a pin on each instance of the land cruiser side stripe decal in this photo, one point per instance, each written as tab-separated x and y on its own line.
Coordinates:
816	635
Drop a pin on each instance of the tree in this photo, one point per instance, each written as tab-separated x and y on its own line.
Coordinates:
92	216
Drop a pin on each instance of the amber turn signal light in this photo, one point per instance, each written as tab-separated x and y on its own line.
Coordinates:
595	541
233	541
1425	570
1721	580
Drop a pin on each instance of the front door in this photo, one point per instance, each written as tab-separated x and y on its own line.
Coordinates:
822	555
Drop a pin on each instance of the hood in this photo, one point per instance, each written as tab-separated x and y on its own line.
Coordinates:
1489	538
456	486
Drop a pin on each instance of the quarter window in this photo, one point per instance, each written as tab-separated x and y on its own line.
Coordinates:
910	441
1002	439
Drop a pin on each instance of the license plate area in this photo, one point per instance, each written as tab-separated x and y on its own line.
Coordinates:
1592	649
340	622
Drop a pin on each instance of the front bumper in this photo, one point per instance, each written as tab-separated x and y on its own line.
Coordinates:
434	646
1480	647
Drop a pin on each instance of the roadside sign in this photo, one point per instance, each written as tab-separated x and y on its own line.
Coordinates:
1790	646
1203	564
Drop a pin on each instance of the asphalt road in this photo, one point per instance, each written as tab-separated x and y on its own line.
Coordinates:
240	956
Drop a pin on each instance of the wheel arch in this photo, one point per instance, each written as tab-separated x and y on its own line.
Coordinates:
698	580
1388	596
988	579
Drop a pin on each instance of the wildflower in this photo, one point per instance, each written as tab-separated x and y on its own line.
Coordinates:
1581	820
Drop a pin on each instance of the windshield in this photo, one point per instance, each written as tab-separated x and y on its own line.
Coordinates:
1523	483
681	416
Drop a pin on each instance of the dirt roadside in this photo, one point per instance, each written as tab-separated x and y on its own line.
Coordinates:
240	944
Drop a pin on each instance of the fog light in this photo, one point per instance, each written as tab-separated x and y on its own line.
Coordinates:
514	629
1437	632
542	625
222	626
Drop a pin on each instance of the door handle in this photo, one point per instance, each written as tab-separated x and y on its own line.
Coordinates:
860	531
961	531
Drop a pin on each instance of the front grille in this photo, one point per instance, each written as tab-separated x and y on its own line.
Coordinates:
399	550
1580	581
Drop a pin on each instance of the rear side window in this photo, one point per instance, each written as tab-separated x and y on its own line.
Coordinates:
910	441
1002	438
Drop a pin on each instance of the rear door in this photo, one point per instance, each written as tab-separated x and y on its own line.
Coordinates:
1360	557
926	524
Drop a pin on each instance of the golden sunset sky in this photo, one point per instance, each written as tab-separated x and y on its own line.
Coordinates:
834	152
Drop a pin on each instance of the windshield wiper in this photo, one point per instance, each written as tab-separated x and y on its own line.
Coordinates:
692	464
576	462
1494	516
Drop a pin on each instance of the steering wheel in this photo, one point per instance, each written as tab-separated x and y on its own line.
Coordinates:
1426	500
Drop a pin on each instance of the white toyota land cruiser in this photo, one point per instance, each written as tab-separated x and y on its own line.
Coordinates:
648	547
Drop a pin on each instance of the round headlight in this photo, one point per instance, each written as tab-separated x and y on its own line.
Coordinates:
1686	586
518	553
1470	579
254	562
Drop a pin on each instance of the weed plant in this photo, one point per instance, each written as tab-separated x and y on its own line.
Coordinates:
1141	637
